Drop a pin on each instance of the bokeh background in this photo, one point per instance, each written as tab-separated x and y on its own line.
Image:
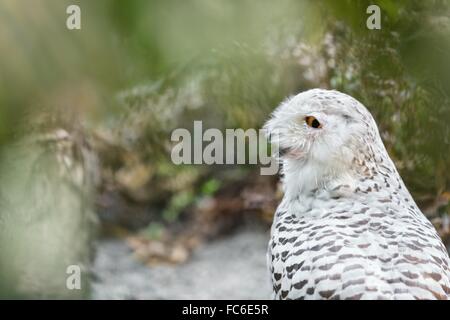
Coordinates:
86	116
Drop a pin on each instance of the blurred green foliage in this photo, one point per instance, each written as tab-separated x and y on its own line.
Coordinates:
139	69
228	63
239	60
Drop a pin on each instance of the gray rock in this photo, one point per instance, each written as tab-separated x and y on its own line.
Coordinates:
232	267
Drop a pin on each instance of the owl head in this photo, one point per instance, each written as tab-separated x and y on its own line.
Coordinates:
324	129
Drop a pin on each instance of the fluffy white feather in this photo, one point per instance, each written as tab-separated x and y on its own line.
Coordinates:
347	227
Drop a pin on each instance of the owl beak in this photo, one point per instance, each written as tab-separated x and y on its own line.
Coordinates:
283	151
290	153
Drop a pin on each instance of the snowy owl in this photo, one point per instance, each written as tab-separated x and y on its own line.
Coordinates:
347	227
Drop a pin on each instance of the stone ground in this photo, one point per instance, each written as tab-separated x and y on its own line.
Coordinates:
232	267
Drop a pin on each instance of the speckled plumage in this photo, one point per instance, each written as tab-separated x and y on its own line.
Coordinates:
347	227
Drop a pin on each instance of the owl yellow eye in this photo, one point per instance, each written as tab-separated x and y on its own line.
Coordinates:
313	122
